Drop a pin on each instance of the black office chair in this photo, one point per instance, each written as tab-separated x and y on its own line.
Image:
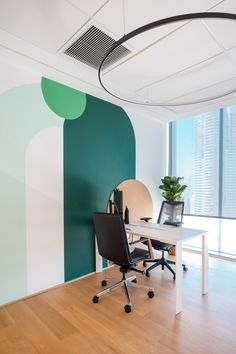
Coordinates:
171	213
113	245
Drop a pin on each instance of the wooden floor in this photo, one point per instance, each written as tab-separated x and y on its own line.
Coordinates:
64	320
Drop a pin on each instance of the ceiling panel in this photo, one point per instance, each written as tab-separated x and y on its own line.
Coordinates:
211	91
46	24
153	10
232	55
128	76
154	35
224	30
198	77
88	6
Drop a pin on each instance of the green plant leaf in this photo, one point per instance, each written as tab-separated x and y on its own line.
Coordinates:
172	188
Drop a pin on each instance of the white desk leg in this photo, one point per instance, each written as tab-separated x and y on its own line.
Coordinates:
99	267
204	265
178	278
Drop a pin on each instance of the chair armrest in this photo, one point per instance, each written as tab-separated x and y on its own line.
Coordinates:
146	218
178	223
142	239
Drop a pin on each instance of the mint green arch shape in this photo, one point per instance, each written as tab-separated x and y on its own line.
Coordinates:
23	114
65	101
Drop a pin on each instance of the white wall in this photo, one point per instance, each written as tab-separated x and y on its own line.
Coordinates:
44	210
151	154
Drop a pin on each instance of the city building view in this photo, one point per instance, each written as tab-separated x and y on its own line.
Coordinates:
204	153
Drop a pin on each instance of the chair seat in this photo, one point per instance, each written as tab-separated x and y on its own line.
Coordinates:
158	245
139	254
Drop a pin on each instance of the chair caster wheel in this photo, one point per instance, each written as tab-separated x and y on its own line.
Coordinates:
185	269
104	283
127	308
144	264
151	294
95	299
147	274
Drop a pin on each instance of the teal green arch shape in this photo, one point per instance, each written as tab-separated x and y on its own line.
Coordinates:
63	100
99	153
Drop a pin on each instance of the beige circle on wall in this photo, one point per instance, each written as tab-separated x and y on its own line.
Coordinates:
137	198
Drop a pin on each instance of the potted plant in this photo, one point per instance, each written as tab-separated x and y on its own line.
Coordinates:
172	188
172	191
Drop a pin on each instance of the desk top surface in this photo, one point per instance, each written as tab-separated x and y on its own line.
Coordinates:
164	233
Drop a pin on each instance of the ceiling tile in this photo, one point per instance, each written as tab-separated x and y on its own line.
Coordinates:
153	10
46	24
224	30
111	17
198	77
210	91
232	55
88	6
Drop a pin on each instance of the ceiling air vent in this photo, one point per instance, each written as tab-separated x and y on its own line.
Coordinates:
92	46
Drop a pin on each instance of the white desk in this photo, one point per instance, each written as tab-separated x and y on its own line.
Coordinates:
175	236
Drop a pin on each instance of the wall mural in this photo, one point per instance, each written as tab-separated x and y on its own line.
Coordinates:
46	227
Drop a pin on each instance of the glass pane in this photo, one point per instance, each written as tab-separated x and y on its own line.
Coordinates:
183	147
195	156
204	153
229	163
228	238
206	164
212	225
221	238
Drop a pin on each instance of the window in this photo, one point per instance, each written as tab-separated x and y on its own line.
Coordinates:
203	151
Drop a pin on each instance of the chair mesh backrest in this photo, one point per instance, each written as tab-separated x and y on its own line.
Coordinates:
171	213
111	238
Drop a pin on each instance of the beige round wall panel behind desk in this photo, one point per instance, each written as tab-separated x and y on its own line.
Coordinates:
137	198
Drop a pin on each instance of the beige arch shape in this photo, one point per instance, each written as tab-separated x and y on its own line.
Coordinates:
137	198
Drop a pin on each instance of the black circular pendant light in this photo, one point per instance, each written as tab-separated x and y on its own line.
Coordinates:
156	24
